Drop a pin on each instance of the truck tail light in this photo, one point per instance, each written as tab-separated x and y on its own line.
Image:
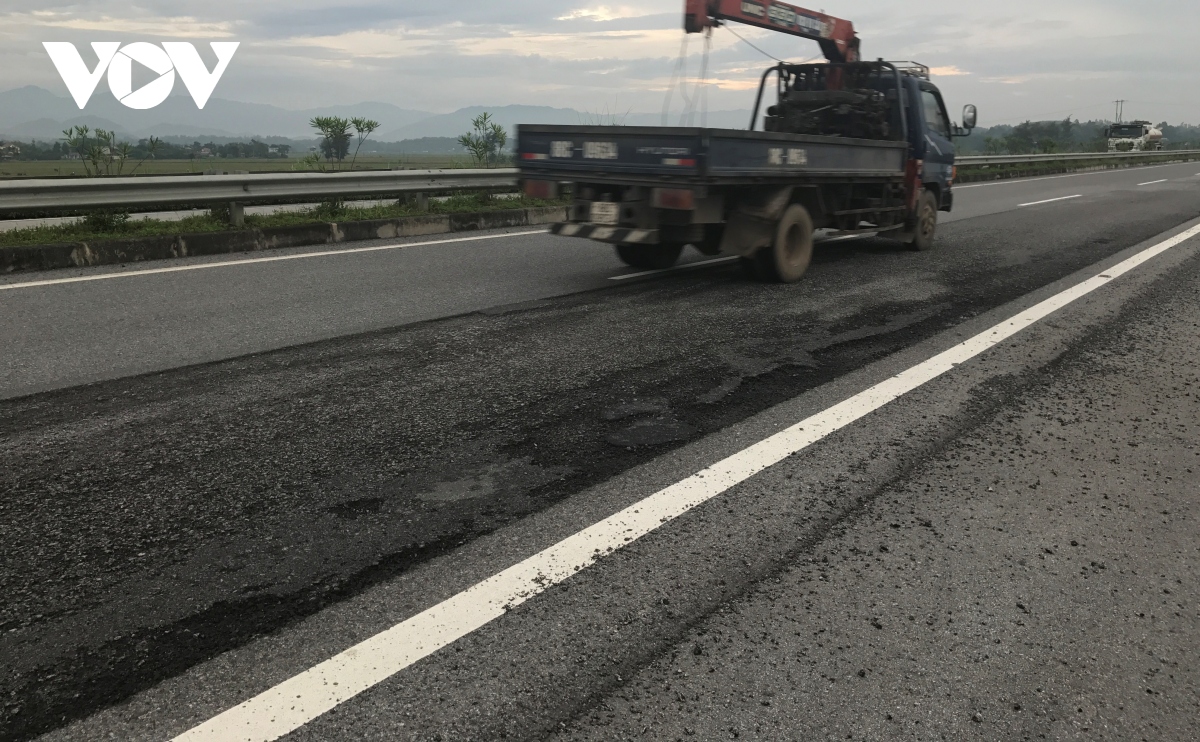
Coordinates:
682	199
547	189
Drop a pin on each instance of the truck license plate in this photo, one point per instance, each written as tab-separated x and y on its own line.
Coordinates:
604	212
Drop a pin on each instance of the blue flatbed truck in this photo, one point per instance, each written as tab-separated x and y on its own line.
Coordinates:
850	147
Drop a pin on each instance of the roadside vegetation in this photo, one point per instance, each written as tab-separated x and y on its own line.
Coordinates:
95	227
1068	135
160	166
976	173
486	142
337	136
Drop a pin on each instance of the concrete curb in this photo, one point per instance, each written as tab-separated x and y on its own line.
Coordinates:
137	249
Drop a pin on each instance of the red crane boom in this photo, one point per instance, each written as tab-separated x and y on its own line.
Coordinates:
836	36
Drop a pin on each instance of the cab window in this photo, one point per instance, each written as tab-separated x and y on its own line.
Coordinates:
935	117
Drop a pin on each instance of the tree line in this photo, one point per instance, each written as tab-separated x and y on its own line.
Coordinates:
68	149
1067	135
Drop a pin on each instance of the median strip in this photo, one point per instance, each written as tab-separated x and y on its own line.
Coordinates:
293	703
110	250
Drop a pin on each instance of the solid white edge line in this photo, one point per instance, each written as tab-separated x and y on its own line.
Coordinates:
1153	182
1049	201
676	269
302	698
252	261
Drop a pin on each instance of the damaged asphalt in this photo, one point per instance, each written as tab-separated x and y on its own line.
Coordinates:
154	522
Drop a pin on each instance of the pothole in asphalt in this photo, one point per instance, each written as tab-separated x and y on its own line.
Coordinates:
651	433
517	475
635	408
356	508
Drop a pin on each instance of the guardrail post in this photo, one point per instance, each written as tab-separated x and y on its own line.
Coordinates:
237	214
419	200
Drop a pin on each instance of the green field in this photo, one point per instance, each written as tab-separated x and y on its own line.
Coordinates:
62	168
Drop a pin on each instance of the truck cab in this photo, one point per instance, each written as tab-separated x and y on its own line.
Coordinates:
931	135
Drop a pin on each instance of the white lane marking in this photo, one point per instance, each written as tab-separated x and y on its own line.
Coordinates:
1153	182
1050	201
1106	171
676	269
252	261
844	237
302	698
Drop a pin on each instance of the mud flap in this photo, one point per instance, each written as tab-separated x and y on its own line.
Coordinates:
751	224
745	235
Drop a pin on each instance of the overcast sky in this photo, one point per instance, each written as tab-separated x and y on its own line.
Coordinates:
1016	59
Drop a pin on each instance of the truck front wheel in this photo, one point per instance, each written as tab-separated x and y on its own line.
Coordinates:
925	230
650	257
787	258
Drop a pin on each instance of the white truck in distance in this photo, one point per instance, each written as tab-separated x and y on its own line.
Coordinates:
1135	136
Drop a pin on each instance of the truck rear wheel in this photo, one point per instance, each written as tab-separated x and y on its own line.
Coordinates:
649	257
925	230
786	260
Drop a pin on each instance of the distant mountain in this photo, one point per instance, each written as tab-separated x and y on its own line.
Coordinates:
459	122
510	116
36	113
26	112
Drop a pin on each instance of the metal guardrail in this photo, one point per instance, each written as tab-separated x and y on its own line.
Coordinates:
74	194
90	193
1029	159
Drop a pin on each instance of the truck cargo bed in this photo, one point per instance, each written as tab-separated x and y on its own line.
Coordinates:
655	154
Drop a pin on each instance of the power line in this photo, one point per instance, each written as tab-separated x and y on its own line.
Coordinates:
752	46
675	79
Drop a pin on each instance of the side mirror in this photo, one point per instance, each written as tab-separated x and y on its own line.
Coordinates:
970	117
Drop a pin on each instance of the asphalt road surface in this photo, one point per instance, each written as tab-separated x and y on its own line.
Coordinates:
215	479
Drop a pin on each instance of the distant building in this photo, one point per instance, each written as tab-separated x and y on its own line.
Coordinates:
9	151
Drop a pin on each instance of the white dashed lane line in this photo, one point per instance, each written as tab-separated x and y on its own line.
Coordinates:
676	269
1050	200
306	696
1153	182
256	261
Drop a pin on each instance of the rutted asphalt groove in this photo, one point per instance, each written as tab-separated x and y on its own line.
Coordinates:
936	609
151	523
584	647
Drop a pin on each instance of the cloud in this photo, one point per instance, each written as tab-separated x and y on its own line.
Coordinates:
173	26
948	71
604	13
1013	59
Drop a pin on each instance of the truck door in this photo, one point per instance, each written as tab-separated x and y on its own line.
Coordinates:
939	148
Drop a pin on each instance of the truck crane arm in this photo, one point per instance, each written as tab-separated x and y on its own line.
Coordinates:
836	36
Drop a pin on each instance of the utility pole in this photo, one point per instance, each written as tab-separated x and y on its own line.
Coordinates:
1120	111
